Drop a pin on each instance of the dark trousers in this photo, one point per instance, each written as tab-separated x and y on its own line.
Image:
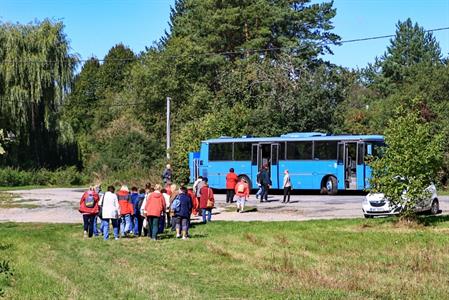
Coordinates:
264	195
168	221
139	224
153	224
287	190
230	195
88	221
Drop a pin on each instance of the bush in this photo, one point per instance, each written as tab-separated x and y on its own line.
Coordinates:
64	176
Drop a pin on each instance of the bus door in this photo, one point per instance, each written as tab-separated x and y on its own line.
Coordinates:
274	168
361	170
347	165
256	159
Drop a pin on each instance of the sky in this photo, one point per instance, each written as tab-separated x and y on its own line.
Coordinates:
94	26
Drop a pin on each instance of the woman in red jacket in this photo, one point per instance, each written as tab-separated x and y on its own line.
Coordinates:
154	208
126	210
231	181
89	209
207	201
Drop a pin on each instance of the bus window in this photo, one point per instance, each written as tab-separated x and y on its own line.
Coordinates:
325	150
220	151
282	151
242	151
299	150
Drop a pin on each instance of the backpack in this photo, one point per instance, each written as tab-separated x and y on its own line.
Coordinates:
240	188
89	201
176	205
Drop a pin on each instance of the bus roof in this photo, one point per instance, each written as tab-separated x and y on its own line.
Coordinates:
300	136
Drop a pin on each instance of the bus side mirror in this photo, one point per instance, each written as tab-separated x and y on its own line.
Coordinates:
369	149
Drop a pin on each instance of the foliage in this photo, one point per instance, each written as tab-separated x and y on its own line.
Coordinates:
410	162
321	259
37	71
60	177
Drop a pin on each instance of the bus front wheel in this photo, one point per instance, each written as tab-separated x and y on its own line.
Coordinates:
331	185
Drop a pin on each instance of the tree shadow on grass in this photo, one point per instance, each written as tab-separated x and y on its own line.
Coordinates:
432	220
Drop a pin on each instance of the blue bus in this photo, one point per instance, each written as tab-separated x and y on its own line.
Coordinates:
316	161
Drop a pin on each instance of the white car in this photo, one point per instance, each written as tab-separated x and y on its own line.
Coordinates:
375	204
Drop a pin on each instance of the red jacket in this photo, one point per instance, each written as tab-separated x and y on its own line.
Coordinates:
231	180
195	203
89	210
155	204
244	189
126	207
206	193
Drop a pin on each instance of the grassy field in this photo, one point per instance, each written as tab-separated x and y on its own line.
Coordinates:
232	260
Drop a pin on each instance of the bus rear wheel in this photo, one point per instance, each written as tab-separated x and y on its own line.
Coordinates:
331	185
247	180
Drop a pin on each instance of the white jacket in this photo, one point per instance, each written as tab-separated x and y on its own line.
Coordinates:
109	206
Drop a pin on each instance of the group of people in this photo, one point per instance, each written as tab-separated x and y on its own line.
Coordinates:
237	189
148	211
145	212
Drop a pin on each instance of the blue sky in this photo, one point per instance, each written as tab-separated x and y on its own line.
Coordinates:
94	26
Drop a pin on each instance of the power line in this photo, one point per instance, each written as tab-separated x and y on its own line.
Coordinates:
223	53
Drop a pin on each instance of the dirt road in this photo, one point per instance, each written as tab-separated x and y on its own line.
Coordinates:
60	205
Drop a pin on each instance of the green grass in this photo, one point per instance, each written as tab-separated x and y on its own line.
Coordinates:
347	259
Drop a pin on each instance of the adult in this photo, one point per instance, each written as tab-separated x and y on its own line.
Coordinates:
174	191
231	181
207	201
134	217
167	175
167	207
182	209
89	209
265	181
126	210
195	201
197	185
137	209
287	187
100	194
110	210
241	194
154	208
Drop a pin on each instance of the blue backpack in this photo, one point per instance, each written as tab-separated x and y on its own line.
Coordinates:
176	205
89	201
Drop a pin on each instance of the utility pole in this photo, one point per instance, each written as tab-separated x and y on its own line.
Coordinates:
168	127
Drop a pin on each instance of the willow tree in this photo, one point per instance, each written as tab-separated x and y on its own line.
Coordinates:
36	71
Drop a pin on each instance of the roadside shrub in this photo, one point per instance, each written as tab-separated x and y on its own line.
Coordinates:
10	177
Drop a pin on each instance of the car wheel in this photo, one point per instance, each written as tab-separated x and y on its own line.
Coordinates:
368	216
435	207
331	185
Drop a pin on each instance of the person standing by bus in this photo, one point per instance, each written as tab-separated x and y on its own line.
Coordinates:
231	181
287	186
266	182
241	194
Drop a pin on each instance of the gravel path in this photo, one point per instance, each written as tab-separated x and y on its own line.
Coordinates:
60	205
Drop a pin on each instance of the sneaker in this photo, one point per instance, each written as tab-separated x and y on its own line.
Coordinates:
85	234
184	238
178	236
116	238
238	210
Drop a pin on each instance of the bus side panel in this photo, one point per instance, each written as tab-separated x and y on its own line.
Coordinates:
254	171
322	169
217	173
301	173
191	168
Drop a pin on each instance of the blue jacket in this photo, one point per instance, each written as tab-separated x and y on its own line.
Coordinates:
135	201
185	208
